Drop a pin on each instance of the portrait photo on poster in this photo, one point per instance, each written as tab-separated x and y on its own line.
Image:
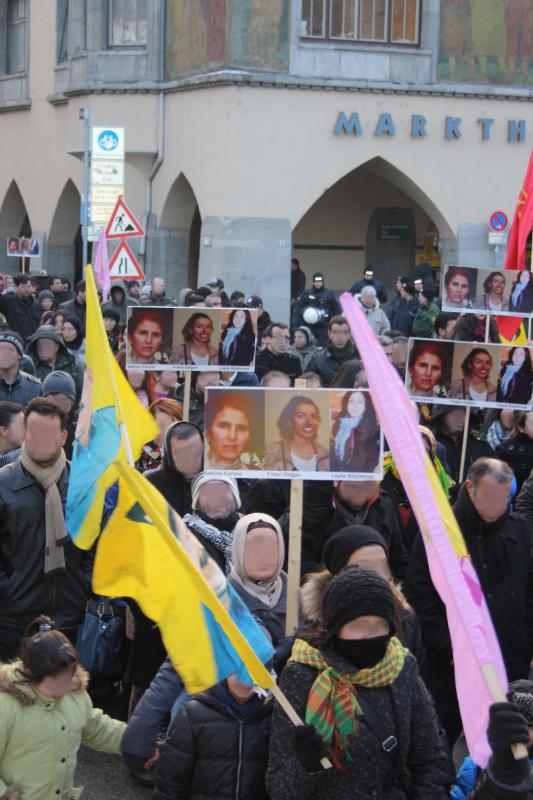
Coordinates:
490	291
313	434
191	339
470	374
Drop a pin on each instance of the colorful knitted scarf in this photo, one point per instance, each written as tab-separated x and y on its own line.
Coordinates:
332	705
446	482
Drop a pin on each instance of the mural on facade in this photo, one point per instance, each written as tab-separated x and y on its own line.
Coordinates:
486	41
209	34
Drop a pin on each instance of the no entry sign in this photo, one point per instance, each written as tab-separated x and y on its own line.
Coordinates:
498	221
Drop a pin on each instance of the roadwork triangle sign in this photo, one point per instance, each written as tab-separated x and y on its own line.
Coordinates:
124	264
122	223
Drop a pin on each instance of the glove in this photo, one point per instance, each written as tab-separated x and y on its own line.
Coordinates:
507	726
13	793
309	747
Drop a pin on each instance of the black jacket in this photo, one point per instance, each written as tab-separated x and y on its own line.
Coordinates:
381	292
212	753
509	593
77	310
25	592
266	361
326	364
297	283
517	451
23	389
404	316
524	502
419	768
18	313
475	448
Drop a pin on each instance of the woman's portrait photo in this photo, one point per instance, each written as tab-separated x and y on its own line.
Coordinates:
459	286
491	292
429	368
149	337
515	380
471	374
196	339
237	340
356	438
234	431
297	431
521	294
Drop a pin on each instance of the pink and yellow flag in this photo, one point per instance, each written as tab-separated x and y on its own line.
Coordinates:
480	676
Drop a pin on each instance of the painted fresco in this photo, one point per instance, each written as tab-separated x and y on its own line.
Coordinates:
260	34
486	41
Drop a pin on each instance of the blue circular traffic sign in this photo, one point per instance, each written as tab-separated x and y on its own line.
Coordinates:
498	221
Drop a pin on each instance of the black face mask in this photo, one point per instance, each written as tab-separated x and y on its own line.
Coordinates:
226	524
362	653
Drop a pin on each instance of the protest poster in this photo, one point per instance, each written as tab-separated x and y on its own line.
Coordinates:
23	247
191	339
487	291
470	374
299	433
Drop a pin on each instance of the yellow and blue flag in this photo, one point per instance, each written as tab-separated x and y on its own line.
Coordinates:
107	401
146	552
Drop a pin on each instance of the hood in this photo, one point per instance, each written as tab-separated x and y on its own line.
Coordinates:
311	596
12	682
118	284
46	332
168	464
357	298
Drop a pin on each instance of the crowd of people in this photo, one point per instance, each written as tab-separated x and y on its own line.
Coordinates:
370	670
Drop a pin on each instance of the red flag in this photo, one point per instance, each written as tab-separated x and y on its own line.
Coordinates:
516	247
522	223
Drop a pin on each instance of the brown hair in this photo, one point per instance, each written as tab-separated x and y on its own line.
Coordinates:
167	406
45	651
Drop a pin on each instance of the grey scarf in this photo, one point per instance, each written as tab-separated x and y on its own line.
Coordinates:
56	532
222	540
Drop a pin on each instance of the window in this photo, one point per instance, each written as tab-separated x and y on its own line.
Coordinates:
16	36
128	23
388	21
62	31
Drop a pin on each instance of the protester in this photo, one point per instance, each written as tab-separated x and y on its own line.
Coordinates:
58	388
45	715
498	542
165	412
303	345
275	356
428	311
199	383
41	571
76	307
45	302
157	295
215	513
119	300
280	380
500	428
404	317
263	317
15	384
517	449
298	448
339	349
448	424
18	307
355	666
368	280
166	384
368	302
183	455
297	280
60	288
315	308
444	325
49	353
11	431
72	334
348	376
397	300
58	319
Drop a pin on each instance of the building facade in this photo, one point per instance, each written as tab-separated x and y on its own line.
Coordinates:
341	132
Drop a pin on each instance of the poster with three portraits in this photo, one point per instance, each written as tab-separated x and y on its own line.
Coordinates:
191	339
477	290
299	433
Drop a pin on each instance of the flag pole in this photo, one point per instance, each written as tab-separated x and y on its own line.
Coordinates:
127	443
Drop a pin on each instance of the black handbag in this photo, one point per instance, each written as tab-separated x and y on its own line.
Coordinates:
100	639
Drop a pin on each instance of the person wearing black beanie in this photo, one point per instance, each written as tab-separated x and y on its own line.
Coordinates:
366	708
343	544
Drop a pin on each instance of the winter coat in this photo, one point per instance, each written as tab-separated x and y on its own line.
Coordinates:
40	737
213	753
266	361
375	316
120	308
326	363
509	597
171	483
304	354
23	389
424	321
405	315
517	451
524	502
464	787
316	298
78	310
160	300
417	768
475	448
378	286
25	591
18	313
297	283
63	361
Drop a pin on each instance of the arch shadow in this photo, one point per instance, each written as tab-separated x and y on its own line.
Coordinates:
13	213
66	219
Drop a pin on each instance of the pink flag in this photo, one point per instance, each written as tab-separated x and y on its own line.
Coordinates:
101	266
480	676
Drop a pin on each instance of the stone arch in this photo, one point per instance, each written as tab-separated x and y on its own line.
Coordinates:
14	221
66	219
180	205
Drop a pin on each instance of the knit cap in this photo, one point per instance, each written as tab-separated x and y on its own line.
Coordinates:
59	382
521	693
306	332
342	544
202	478
13	338
353	593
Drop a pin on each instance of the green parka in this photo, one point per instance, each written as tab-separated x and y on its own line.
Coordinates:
40	737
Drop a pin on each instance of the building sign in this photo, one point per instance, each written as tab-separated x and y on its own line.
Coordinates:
107	176
420	127
393	232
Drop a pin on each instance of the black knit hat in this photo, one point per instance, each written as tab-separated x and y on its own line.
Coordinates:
342	544
521	693
354	593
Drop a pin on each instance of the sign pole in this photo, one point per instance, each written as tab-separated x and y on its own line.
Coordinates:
487	328
295	547
85	116
187	396
465	441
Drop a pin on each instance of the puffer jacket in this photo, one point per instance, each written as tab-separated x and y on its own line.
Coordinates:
419	768
40	737
63	361
213	753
